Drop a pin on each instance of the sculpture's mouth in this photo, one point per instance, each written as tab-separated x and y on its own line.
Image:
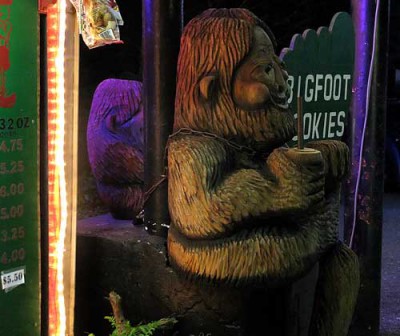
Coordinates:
280	100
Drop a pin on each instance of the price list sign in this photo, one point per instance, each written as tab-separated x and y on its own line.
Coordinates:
19	169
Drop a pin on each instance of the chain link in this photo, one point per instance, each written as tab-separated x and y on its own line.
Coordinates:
189	131
234	145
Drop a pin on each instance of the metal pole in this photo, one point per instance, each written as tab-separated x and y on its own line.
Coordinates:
161	31
364	199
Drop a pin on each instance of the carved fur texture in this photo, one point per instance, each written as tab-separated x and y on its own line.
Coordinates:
241	221
115	145
336	294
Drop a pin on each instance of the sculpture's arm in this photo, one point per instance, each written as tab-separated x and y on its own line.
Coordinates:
111	167
212	195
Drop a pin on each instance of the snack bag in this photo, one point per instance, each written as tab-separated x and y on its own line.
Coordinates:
99	21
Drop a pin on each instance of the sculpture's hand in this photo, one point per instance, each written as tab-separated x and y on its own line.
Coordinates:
336	158
300	178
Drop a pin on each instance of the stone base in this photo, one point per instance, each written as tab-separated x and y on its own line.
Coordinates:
115	255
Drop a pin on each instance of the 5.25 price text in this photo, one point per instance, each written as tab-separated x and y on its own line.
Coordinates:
12	167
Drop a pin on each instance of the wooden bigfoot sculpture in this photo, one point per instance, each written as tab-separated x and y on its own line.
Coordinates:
245	210
115	145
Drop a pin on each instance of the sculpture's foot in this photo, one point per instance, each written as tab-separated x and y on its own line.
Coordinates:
124	201
336	293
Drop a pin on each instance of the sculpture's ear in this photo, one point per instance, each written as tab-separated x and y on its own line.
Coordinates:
208	86
111	122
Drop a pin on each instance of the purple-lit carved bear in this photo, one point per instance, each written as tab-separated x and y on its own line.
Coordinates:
115	145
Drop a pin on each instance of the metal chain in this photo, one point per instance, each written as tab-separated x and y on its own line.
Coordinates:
189	131
234	145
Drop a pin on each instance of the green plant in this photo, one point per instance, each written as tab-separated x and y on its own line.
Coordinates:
142	329
122	327
148	329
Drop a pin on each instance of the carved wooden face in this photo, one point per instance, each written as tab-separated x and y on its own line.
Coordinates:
261	78
231	83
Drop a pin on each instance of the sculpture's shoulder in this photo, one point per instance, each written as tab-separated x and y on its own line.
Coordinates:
194	147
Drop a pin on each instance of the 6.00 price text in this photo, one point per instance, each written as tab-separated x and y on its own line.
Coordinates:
13	189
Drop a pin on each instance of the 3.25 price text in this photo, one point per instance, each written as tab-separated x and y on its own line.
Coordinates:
13	234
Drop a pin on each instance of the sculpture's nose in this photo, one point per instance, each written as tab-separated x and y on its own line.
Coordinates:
281	78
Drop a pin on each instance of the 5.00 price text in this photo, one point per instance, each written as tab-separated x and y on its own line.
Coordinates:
13	212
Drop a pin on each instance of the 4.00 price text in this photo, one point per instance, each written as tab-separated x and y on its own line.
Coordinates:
13	256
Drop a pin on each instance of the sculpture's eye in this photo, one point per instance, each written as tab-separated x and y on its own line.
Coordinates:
269	67
262	51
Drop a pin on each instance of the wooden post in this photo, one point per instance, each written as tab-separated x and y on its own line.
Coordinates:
363	226
71	159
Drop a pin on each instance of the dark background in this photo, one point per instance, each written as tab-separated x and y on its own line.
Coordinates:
284	17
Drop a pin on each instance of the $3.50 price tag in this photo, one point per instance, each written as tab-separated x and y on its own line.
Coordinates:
12	278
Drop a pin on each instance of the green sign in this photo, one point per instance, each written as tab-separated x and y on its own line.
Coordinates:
320	66
19	187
